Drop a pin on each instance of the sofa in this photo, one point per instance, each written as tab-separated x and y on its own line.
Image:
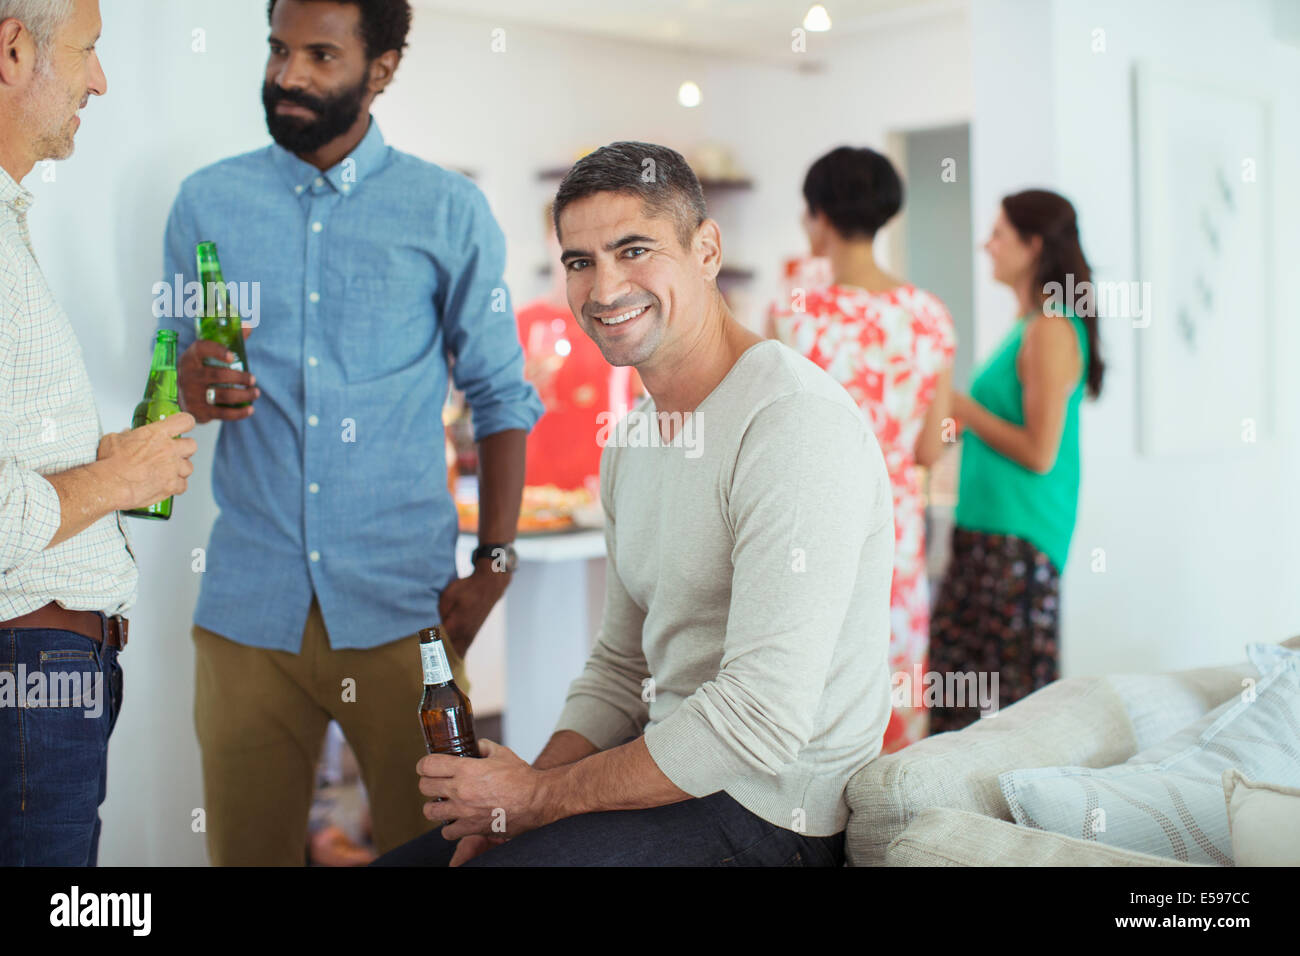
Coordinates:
938	802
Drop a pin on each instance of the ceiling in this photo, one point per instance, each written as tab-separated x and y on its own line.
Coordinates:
751	28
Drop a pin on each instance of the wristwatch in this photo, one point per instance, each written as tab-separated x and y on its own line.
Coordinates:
495	552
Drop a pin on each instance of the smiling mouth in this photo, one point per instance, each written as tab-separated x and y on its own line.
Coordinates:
623	316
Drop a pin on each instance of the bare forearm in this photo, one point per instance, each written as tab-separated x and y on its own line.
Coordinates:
86	494
501	484
622	778
564	747
1007	439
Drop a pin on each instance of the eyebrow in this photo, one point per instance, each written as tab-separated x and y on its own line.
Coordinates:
323	45
609	246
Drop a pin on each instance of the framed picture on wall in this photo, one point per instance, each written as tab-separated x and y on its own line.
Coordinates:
1205	357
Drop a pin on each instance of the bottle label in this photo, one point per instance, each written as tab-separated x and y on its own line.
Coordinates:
434	658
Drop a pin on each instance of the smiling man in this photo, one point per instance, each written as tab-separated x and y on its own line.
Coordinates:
336	538
740	676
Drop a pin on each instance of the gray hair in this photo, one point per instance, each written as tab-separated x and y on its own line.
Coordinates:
42	18
657	175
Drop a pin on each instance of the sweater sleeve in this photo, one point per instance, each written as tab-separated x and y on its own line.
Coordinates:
805	496
605	702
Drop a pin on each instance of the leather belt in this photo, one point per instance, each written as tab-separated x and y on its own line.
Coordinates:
90	624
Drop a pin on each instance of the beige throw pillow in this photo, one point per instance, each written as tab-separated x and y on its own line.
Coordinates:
1264	819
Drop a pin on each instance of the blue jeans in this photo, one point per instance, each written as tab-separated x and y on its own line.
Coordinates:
706	831
60	694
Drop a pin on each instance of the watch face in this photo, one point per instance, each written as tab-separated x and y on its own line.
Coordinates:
502	556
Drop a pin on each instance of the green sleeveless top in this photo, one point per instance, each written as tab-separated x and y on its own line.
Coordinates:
1000	496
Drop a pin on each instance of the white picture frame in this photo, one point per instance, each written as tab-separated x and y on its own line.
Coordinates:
1205	381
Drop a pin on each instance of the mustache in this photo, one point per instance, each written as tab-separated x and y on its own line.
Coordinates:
274	95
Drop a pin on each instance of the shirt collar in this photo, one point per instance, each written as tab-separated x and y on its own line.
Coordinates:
367	158
14	195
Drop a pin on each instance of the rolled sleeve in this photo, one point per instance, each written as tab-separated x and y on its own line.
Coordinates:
479	323
807	481
30	514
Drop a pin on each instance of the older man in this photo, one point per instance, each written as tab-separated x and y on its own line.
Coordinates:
741	672
66	570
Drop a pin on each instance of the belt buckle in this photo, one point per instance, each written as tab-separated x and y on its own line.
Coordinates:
123	626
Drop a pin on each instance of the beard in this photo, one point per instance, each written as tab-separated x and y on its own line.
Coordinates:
53	114
335	115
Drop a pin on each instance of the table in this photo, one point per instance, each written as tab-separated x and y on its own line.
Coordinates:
552	614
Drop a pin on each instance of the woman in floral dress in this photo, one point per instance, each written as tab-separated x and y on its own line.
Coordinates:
891	346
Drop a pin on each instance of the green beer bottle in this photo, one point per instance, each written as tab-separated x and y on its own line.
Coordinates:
159	401
219	322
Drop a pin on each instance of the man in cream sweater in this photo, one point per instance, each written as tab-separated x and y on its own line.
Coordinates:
741	672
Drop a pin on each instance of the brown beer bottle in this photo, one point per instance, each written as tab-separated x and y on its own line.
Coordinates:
445	713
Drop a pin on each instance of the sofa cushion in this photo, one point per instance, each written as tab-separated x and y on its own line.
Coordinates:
941	836
1089	722
1083	718
1168	800
1265	821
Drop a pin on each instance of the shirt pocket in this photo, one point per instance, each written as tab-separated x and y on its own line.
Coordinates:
388	324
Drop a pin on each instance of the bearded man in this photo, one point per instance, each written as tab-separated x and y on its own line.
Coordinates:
336	538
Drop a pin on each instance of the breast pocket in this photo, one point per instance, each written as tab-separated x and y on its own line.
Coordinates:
387	325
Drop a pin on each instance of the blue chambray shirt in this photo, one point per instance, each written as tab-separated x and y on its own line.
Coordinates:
370	275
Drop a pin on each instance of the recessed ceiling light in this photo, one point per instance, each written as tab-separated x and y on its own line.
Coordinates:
817	20
689	95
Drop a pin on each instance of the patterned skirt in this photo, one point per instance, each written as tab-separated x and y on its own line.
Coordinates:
996	618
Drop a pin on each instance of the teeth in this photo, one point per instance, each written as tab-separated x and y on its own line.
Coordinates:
620	319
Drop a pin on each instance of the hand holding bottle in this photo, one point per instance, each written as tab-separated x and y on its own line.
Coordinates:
145	465
197	379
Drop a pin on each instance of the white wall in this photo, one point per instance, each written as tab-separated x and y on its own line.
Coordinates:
170	110
1201	553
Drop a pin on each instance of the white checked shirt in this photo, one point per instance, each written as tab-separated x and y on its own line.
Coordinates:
48	424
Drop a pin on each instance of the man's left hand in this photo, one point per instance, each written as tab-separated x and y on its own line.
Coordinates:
466	602
498	795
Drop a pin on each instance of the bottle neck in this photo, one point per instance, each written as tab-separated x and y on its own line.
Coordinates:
437	669
162	371
214	290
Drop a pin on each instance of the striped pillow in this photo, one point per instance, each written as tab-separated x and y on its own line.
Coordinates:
1168	800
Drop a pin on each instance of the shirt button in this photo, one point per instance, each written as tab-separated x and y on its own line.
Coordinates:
314	297
316	227
311	360
299	189
320	181
315	555
347	188
313	421
313	488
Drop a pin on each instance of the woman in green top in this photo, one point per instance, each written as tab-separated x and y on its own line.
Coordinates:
998	607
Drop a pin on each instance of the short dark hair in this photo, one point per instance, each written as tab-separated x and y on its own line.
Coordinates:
857	189
657	175
385	24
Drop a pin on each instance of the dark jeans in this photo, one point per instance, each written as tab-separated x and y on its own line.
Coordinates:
709	831
60	694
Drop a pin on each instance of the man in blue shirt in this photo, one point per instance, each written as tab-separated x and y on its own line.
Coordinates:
336	537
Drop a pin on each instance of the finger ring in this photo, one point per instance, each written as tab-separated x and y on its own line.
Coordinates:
212	396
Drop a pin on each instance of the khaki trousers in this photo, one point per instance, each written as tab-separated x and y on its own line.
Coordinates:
261	717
